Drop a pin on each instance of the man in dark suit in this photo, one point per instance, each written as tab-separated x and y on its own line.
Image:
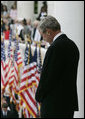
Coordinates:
5	113
57	89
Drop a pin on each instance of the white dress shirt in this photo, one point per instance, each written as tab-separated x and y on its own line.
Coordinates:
57	36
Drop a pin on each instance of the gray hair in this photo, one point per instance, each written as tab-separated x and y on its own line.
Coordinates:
49	22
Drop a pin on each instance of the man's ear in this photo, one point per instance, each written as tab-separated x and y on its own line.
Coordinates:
48	31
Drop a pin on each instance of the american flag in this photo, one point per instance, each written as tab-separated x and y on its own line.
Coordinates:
10	44
18	54
13	78
11	60
33	66
11	68
27	83
24	110
25	70
10	56
39	60
18	63
16	73
26	113
3	65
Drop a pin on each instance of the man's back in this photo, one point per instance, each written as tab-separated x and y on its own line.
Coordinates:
57	89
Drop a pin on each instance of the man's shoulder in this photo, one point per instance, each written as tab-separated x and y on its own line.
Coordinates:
63	44
63	40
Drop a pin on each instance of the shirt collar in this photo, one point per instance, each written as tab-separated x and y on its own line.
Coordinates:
57	36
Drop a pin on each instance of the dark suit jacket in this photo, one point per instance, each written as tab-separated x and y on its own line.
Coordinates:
57	90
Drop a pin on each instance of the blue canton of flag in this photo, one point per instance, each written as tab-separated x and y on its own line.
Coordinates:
35	55
3	66
3	57
30	54
40	61
26	55
17	54
36	77
9	46
15	50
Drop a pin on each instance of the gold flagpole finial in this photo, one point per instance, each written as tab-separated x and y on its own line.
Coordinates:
28	38
37	42
1	38
1	21
40	44
16	33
